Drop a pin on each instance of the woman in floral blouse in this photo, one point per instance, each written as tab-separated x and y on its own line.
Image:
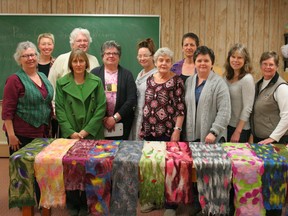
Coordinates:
164	106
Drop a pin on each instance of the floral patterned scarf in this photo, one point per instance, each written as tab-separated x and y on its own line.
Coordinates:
152	173
247	171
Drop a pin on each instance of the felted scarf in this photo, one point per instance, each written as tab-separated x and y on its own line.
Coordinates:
125	179
214	174
178	169
98	176
21	171
274	178
247	170
74	164
49	173
152	173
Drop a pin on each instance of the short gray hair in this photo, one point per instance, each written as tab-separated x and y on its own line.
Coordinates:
22	46
163	51
110	44
76	32
268	55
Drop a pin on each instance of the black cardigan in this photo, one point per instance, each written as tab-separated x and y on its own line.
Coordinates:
126	97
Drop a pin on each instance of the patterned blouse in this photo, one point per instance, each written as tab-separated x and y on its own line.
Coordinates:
111	80
163	104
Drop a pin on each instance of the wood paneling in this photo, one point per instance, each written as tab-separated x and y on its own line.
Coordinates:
258	24
99	6
220	35
241	34
179	8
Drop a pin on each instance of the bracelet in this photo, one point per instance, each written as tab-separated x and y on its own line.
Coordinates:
178	128
115	118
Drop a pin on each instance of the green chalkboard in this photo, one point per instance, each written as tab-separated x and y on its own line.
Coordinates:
126	30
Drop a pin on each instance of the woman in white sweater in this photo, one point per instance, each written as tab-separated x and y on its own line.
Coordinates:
146	50
242	91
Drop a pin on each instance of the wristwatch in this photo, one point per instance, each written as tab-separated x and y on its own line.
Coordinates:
178	128
115	118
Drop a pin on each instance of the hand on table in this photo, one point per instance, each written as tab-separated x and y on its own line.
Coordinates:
266	141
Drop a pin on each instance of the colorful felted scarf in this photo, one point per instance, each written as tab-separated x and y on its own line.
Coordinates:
74	164
178	169
274	179
125	179
214	174
152	173
98	176
21	171
247	170
282	150
49	173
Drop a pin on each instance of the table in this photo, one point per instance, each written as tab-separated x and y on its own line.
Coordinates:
132	155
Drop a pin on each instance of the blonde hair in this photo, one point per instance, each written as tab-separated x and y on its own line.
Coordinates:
46	35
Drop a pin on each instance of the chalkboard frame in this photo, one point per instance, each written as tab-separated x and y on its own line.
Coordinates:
14	30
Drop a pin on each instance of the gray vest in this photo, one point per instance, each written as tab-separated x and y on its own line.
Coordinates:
266	112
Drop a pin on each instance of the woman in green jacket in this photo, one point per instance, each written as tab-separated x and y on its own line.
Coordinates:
80	101
80	108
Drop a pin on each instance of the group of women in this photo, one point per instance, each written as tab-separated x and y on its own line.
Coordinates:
216	108
184	101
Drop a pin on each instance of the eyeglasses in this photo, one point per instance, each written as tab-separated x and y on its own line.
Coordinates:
145	56
111	53
29	55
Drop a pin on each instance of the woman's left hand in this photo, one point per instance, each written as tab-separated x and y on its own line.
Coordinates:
175	137
109	123
266	141
235	137
83	134
210	138
75	135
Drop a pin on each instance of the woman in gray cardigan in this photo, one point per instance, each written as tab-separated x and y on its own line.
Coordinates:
207	101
